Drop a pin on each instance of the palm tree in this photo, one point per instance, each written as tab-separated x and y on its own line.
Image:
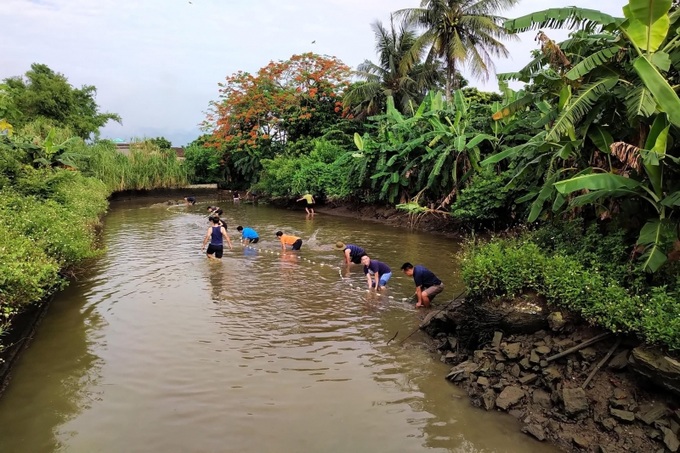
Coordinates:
462	33
400	73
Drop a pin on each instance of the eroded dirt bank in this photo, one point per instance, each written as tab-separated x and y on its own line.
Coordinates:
580	388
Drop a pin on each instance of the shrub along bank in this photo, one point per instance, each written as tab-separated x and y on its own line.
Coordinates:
53	191
584	271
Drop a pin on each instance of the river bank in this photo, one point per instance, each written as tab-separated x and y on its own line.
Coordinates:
580	388
620	408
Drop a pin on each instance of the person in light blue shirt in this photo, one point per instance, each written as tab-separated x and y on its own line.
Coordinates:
248	234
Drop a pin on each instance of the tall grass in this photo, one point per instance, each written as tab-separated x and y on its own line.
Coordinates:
146	167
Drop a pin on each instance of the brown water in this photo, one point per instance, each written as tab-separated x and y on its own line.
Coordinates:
158	350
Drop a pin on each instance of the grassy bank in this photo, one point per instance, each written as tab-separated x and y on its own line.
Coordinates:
53	193
583	270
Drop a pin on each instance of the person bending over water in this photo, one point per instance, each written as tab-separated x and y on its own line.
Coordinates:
216	235
427	284
377	273
352	253
248	234
190	200
214	210
294	241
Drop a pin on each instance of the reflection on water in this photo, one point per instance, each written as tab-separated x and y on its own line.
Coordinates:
160	349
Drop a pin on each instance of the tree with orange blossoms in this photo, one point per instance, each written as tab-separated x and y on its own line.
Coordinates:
256	116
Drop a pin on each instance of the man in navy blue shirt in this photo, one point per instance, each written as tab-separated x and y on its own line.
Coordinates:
352	253
377	273
427	284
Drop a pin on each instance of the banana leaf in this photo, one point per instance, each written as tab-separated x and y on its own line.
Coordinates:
664	95
597	181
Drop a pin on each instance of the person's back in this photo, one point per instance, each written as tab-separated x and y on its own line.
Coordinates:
377	267
294	241
355	252
216	235
248	234
425	277
214	239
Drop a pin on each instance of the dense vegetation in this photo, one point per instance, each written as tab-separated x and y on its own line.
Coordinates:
591	136
54	186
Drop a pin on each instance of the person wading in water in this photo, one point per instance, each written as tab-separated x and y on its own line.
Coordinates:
216	235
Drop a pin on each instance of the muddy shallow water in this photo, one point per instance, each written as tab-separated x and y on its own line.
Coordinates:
156	349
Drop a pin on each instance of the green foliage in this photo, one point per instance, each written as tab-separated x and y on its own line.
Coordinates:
146	167
322	172
161	142
43	93
202	163
487	198
41	238
401	73
508	268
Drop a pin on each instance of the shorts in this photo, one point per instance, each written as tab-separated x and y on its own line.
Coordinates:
218	250
432	291
253	241
384	279
296	245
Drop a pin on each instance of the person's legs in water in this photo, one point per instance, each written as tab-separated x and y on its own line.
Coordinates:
216	250
384	279
430	293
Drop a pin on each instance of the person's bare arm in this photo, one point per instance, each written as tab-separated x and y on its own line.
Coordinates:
226	236
347	253
206	239
419	296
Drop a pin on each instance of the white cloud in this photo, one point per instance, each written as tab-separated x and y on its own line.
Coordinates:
157	62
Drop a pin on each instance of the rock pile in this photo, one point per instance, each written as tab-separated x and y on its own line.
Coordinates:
530	377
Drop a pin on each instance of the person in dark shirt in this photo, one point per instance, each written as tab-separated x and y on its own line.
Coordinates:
214	210
190	200
427	284
352	253
214	239
377	273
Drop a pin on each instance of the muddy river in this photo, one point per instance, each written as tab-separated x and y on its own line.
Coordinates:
156	349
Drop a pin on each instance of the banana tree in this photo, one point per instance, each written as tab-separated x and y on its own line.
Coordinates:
647	28
452	150
659	232
611	80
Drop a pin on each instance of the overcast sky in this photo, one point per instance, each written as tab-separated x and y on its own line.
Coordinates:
157	63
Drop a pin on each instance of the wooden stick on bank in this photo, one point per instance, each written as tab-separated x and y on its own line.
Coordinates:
601	363
578	347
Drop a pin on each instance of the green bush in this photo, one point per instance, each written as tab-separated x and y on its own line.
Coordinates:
27	273
203	164
146	167
487	198
322	173
507	268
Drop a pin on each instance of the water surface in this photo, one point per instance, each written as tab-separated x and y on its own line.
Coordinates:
156	349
